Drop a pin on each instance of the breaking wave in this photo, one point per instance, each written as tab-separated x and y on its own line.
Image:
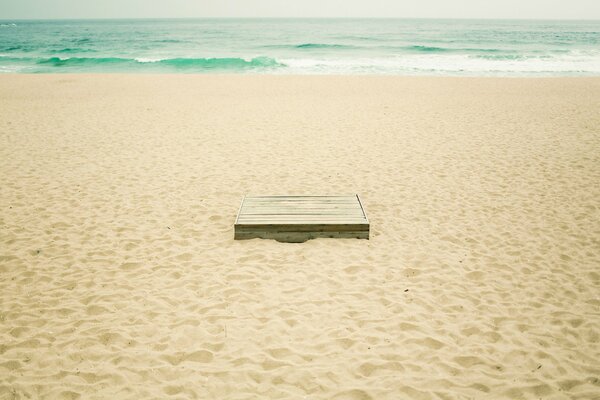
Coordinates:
232	63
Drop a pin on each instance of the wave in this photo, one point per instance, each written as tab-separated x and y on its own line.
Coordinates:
574	63
81	40
437	49
231	63
323	46
509	57
69	50
417	48
66	50
170	41
222	63
449	64
426	49
362	38
308	46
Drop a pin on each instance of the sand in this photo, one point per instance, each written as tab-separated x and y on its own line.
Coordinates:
120	278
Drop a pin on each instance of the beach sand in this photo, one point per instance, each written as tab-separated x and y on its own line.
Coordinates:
120	278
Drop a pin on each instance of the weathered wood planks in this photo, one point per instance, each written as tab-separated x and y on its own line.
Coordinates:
300	218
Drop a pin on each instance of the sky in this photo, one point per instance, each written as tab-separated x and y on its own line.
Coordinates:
526	9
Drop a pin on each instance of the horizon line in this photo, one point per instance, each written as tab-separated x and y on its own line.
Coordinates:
301	18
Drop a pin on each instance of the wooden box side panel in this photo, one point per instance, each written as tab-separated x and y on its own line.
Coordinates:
302	233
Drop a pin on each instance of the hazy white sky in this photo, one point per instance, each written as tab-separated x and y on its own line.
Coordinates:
550	9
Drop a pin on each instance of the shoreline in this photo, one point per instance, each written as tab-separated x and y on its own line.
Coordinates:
295	75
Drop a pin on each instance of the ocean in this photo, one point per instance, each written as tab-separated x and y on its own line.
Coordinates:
303	46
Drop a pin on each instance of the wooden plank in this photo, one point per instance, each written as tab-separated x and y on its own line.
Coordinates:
302	197
302	207
300	229
314	215
273	217
275	210
348	206
299	212
274	199
329	206
361	207
303	228
283	211
303	201
240	209
250	204
345	198
300	202
313	222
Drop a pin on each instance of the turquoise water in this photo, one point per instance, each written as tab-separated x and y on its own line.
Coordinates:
303	46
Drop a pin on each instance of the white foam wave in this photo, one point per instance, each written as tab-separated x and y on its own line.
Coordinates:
148	60
7	69
576	63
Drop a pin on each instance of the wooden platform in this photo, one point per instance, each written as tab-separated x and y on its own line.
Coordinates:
300	218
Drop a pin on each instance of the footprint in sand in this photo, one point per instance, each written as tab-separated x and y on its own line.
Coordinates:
355	394
185	257
130	266
96	310
201	356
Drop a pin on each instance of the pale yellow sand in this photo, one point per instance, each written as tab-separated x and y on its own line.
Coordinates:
120	278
